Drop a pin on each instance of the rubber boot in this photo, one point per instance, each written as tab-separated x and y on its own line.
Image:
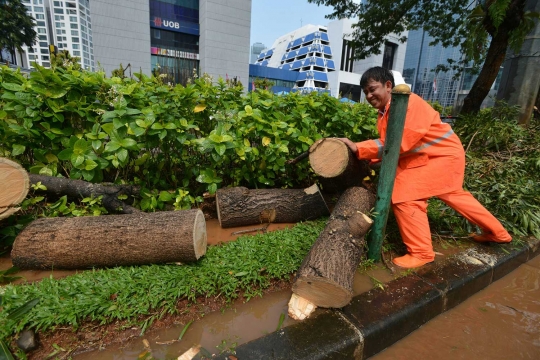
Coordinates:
409	262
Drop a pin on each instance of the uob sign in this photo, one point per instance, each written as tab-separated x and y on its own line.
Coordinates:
166	23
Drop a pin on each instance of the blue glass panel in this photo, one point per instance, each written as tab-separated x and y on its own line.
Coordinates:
330	64
291	55
302	76
264	63
319	62
296	65
309	38
324	36
327	50
270	52
286	66
303	51
297	42
320	76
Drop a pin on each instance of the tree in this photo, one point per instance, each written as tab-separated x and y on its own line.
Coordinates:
16	27
482	29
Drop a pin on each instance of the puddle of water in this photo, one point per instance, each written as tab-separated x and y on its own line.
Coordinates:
500	322
215	332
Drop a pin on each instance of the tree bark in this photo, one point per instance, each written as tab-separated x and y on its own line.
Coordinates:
240	206
495	56
337	166
78	188
326	275
111	240
14	187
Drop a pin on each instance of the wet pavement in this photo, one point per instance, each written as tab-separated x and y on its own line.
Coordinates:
501	321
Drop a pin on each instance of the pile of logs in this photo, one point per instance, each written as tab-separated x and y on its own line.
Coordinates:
134	238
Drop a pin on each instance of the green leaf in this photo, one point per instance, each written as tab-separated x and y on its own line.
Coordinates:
18	149
12	86
80	146
65	154
165	196
128	143
249	110
3	114
220	149
5	354
19	312
112	146
89	164
122	155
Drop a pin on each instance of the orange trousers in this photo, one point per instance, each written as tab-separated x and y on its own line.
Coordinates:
413	222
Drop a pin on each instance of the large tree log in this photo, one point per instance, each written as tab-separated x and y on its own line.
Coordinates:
326	275
336	164
239	206
111	240
80	189
13	186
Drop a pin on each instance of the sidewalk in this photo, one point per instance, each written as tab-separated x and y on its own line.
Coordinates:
378	318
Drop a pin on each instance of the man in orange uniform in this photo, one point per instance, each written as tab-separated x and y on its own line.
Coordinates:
431	163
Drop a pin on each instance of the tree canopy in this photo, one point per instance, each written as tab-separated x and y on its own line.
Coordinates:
483	30
16	27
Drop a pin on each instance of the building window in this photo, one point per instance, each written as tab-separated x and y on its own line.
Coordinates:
75	39
74	33
72	11
41	31
390	50
42	37
76	46
58	11
157	34
38	9
57	3
73	19
40	16
76	53
347	53
74	26
44	51
43	44
41	23
45	57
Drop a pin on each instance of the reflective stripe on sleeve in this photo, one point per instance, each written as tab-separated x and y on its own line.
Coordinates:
379	148
428	144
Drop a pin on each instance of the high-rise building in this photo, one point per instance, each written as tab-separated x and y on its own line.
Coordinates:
420	69
321	57
256	49
175	37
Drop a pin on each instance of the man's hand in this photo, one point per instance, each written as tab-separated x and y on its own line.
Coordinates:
350	144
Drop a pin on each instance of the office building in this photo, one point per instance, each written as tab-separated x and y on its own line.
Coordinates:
256	49
173	37
321	59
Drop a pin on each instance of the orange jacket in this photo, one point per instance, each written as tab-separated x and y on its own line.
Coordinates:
431	160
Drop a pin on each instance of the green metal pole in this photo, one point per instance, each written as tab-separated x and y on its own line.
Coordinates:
387	175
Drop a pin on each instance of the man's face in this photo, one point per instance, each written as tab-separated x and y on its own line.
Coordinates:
378	94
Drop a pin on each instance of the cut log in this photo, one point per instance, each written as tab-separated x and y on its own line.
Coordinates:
14	187
239	206
77	189
326	275
111	240
337	166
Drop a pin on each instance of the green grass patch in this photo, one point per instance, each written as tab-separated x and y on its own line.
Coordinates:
126	293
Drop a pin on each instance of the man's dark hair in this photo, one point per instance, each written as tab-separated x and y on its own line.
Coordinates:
377	73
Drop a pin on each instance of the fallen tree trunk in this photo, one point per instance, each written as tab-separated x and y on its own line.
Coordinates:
325	277
239	206
13	187
111	240
80	189
336	164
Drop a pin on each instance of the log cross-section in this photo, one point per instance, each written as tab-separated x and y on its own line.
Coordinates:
326	275
239	206
337	166
111	240
14	183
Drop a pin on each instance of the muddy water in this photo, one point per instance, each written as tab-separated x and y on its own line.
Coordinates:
499	322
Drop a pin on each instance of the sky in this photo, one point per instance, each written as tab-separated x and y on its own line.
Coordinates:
271	19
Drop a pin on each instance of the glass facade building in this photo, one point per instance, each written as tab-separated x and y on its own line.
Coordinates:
419	70
174	38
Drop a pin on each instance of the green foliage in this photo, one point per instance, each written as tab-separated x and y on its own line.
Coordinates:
63	59
126	293
503	166
263	84
175	142
16	27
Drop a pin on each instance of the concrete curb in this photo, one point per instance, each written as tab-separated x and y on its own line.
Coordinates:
378	318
